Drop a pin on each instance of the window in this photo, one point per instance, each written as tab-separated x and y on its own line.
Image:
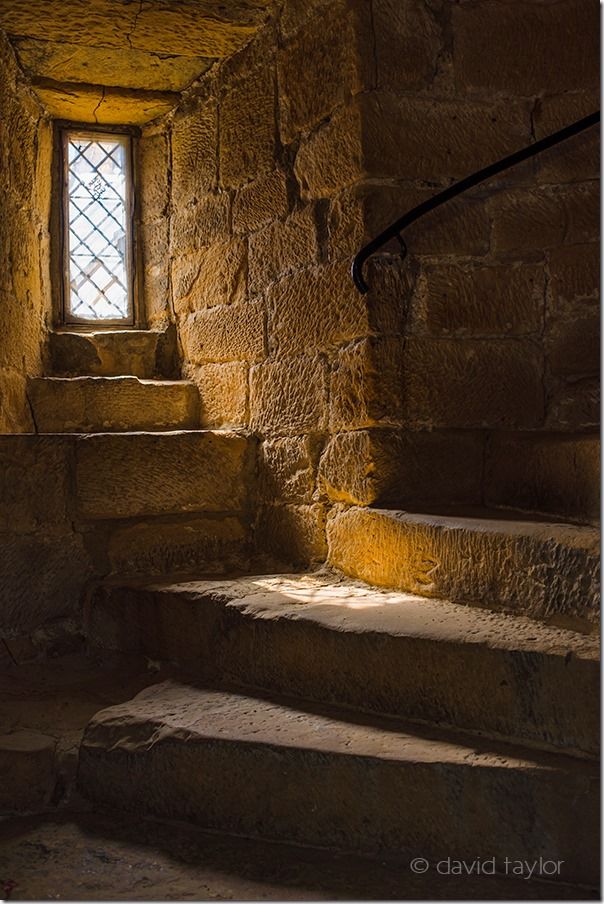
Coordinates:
97	228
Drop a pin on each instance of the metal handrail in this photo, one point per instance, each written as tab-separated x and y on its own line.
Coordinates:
394	231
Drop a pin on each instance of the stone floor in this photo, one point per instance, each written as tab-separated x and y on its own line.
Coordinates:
90	857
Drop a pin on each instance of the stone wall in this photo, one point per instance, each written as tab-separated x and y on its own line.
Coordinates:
496	355
25	155
283	160
78	508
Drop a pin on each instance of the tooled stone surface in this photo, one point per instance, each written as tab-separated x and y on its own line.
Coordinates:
101	404
549	571
548	473
162	473
107	353
83	66
322	777
333	640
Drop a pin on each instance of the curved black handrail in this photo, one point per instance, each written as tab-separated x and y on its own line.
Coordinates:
394	231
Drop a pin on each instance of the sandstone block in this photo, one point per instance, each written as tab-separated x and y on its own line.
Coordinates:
332	46
553	474
21	118
526	221
224	333
573	405
194	137
247	129
168	29
391	283
30	596
27	282
547	571
254	57
153	474
473	383
282	247
328	310
23	312
575	279
534	221
102	105
510	47
81	63
107	353
366	382
199	223
287	469
215	275
223	391
419	138
153	162
288	396
259	203
155	239
332	157
156	297
479	301
408	40
367	467
34	481
292	534
574	160
15	415
190	546
97	404
573	345
200	30
382	135
358	214
27	764
295	14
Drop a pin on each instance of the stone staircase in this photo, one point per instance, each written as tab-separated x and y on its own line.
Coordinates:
111	381
446	707
120	478
327	712
249	765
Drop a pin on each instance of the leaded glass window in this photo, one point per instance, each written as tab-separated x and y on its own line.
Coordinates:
98	228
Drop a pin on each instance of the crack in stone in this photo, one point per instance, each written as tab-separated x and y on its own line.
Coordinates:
94	112
134	24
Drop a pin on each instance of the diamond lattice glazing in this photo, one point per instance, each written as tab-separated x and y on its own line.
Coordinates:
98	267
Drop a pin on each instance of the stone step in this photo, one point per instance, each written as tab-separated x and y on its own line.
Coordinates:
254	766
377	651
100	404
152	474
556	475
111	353
549	571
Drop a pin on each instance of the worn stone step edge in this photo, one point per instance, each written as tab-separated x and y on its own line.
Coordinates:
107	352
99	404
311	775
392	653
549	571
